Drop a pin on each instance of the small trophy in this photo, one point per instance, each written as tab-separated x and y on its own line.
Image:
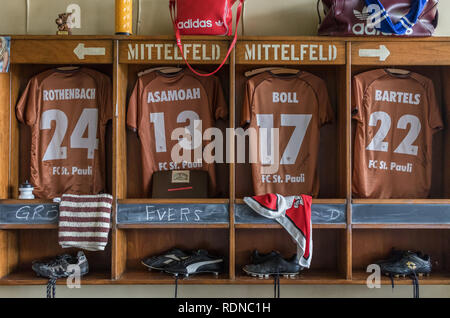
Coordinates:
64	27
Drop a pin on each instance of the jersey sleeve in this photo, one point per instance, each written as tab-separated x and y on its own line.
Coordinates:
220	106
29	103
435	119
133	108
247	105
358	99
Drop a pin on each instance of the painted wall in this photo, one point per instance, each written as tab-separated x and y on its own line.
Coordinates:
151	17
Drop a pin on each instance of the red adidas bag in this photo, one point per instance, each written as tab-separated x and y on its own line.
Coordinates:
204	17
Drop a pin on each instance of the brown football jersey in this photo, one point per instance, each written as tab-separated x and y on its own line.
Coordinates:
298	105
67	112
396	116
161	103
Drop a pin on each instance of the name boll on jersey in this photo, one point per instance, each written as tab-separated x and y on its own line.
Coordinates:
298	106
396	117
67	112
162	103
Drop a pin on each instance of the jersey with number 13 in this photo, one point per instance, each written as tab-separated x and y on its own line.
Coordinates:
67	112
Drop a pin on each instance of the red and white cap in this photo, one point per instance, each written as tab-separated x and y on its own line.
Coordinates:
294	214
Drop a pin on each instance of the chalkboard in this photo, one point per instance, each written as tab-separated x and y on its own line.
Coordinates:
401	213
172	214
29	213
320	214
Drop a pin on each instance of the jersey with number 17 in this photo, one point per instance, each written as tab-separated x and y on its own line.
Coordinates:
67	112
396	115
296	106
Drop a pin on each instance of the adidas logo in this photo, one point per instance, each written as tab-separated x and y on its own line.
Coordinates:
371	16
195	24
219	23
363	15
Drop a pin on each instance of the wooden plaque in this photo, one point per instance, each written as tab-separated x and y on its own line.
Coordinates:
290	52
61	51
167	52
399	53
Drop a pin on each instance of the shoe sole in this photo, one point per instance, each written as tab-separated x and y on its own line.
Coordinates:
151	267
404	275
267	275
201	272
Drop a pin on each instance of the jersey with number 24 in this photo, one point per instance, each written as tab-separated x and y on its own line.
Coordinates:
67	112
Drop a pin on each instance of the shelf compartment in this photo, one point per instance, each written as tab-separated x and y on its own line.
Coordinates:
20	247
370	245
327	263
141	243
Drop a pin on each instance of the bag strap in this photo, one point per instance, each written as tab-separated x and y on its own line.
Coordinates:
180	47
385	23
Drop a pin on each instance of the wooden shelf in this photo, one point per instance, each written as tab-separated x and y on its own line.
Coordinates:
314	201
173	201
171	226
402	226
401	201
139	277
360	278
29	278
24	202
342	246
278	226
28	226
306	277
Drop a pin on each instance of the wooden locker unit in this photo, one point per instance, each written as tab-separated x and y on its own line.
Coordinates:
33	234
135	241
348	233
326	59
414	224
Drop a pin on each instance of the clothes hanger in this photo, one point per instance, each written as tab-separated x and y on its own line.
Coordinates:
68	68
162	69
398	71
274	70
171	70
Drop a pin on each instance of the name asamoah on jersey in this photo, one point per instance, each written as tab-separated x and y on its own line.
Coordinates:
173	95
